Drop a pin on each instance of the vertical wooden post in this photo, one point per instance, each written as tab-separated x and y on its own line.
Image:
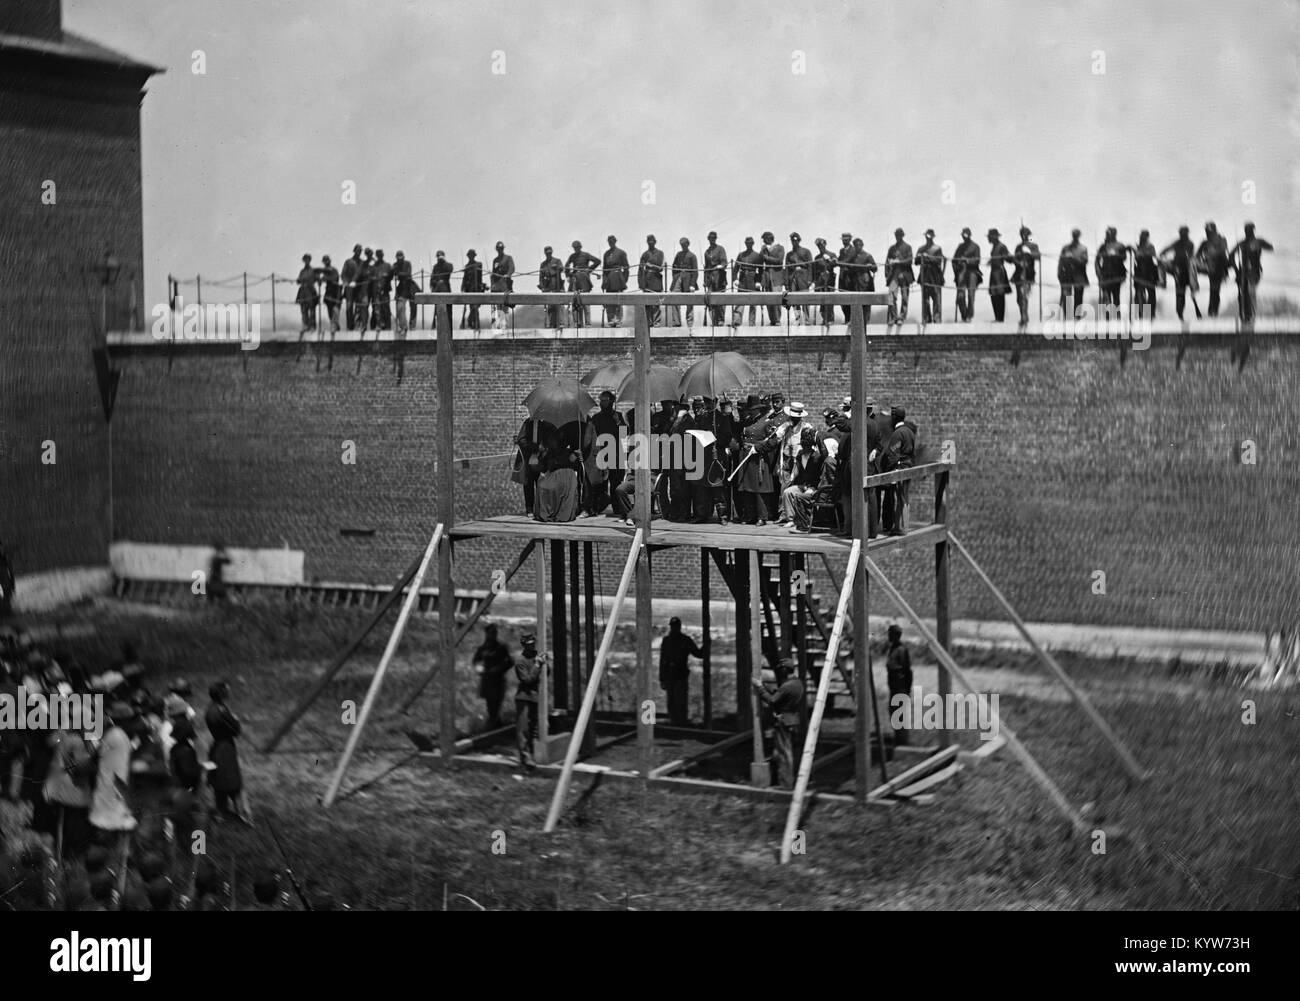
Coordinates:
446	493
272	302
644	670
744	655
942	620
783	593
559	639
760	774
706	645
801	623
544	689
858	516
575	629
589	597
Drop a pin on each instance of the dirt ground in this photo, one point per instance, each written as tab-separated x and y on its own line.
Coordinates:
1216	827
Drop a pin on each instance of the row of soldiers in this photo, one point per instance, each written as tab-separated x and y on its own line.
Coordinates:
368	284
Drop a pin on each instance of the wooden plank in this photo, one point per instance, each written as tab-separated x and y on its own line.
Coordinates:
859	530
589	602
644	299
1081	699
342	658
759	772
593	687
575	627
943	621
559	628
842	751
943	775
934	761
708	752
1034	769
645	692
446	492
412	596
706	642
544	686
911	473
819	706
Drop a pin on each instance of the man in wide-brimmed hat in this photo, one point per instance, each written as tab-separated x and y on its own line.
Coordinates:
791	435
999	282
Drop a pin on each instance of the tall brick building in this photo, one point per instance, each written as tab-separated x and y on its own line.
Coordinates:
71	250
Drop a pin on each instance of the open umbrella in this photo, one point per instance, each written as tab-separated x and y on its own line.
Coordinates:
607	376
663	385
717	374
559	401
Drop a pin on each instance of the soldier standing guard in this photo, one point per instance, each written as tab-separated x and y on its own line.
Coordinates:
613	278
745	272
715	277
898	670
471	280
650	276
1177	259
798	273
503	270
899	276
966	275
847	274
999	283
382	290
675	651
578	269
351	268
1072	275
1212	258
528	677
931	263
787	705
307	297
863	273
1146	275
365	291
494	656
1026	256
1112	256
1245	257
773	274
329	276
686	278
823	277
550	278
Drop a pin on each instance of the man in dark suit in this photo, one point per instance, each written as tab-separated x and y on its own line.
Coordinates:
715	277
1072	275
999	282
383	292
650	276
966	275
351	268
329	277
746	272
675	652
613	278
550	278
686	278
503	271
899	277
1212	258
1026	257
931	263
773	274
899	453
578	269
709	493
823	277
798	273
848	276
471	280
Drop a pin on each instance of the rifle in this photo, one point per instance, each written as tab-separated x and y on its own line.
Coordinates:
297	888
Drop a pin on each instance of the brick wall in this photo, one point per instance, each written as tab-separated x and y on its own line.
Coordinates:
1068	463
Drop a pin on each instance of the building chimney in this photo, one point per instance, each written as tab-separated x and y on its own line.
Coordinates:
32	18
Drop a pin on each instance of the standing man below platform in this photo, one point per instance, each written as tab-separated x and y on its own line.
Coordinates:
578	269
675	653
787	705
471	280
528	680
773	274
999	283
1245	258
650	276
931	263
798	274
496	662
823	277
1027	257
966	275
503	271
550	278
899	277
1072	275
746	272
715	277
613	278
686	278
898	671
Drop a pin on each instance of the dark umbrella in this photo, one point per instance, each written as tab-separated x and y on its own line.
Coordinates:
663	385
559	401
607	376
716	375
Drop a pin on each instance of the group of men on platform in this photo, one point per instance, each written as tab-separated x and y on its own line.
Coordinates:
368	286
754	461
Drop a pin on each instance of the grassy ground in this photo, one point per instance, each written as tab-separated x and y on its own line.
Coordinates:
1217	827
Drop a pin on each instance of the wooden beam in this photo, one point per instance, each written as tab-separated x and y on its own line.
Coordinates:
942	619
593	686
859	531
544	686
1034	769
645	692
934	761
819	706
943	775
1080	697
468	626
446	492
412	596
559	628
589	601
575	627
715	748
842	751
911	473
759	771
336	665
706	643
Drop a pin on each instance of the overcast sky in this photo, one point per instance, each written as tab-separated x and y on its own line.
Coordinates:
1133	114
